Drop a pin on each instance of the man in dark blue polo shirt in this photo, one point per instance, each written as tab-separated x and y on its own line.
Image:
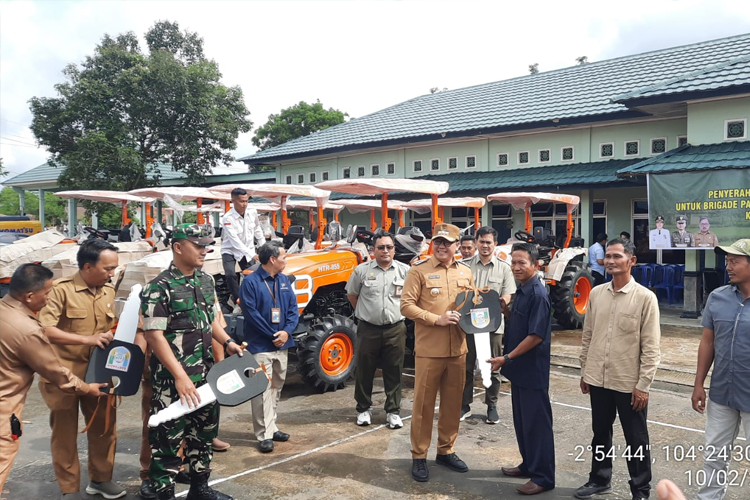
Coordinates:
270	309
526	364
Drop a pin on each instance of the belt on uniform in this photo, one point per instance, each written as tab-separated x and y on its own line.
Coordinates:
381	327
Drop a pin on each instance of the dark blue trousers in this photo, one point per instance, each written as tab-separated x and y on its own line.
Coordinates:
532	419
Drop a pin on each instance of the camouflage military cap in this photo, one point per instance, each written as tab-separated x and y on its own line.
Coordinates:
200	234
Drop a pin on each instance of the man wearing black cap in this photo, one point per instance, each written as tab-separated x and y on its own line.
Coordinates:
681	238
726	344
659	238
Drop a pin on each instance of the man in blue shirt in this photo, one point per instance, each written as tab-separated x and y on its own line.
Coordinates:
726	344
596	258
526	364
270	309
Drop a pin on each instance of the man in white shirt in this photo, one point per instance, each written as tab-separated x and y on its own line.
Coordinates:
659	237
596	258
241	231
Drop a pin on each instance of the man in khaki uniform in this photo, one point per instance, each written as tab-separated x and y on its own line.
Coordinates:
374	289
79	315
429	299
705	238
24	350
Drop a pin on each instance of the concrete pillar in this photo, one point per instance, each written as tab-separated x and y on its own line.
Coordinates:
159	206
587	216
41	207
21	200
95	220
693	286
72	216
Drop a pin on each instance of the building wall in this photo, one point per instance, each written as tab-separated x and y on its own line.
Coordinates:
706	120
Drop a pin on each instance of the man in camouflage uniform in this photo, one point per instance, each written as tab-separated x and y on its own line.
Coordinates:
179	320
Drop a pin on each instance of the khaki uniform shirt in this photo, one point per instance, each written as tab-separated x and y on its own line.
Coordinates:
379	291
24	349
621	335
495	275
430	290
705	240
73	308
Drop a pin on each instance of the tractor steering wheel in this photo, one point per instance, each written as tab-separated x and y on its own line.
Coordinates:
525	237
95	232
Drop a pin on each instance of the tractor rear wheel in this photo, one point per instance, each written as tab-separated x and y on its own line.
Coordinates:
570	296
326	356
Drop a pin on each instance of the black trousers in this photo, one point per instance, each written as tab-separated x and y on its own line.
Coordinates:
598	278
230	274
532	419
605	405
385	346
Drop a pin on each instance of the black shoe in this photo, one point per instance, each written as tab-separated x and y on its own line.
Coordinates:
266	446
590	489
167	494
182	477
465	412
492	415
200	490
280	436
419	470
452	462
147	490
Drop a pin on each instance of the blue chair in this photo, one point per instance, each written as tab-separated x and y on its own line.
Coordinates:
637	273
653	267
647	276
664	280
679	281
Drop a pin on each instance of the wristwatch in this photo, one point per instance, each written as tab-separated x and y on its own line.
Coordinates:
507	359
227	341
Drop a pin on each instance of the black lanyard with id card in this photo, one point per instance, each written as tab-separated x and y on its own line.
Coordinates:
275	311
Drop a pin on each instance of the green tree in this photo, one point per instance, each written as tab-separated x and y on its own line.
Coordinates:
3	172
297	121
123	112
534	68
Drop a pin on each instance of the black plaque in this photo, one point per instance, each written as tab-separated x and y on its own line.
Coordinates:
237	379
484	316
120	365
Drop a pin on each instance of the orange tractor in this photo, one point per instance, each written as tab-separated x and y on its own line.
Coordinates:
567	276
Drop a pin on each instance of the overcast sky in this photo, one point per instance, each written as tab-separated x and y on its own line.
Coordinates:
355	56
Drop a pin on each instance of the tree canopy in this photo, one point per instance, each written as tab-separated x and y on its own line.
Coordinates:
296	121
123	111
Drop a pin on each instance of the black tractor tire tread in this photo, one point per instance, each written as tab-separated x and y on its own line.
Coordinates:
308	352
561	297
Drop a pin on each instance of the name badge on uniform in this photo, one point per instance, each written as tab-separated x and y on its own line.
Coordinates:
275	315
399	290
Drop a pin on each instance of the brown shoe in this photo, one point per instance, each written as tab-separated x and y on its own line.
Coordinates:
531	488
512	472
219	445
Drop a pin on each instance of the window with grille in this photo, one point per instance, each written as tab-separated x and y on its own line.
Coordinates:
523	157
544	156
735	129
502	159
417	165
360	171
606	150
346	173
390	169
471	161
324	176
567	153
312	178
658	146
375	170
631	148
288	179
681	140
301	179
452	163
435	164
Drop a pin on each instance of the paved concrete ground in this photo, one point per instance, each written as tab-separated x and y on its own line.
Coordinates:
329	457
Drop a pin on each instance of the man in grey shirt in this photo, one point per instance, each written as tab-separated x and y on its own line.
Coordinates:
374	289
488	271
726	344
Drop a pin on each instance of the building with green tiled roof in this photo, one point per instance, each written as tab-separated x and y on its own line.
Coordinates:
593	130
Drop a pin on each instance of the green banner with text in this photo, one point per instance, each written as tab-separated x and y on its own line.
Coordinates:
698	210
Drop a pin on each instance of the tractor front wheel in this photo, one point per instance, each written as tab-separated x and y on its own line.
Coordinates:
326	356
570	296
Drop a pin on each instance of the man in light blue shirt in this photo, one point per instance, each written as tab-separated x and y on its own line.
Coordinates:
726	344
596	258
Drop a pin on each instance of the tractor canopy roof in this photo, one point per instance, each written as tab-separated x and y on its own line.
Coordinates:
523	201
104	196
179	193
371	187
359	206
272	191
424	206
312	205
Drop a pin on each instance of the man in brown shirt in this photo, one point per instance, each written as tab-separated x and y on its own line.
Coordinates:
79	315
619	355
429	299
24	350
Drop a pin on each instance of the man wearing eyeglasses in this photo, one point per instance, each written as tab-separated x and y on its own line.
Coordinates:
491	272
429	299
374	289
